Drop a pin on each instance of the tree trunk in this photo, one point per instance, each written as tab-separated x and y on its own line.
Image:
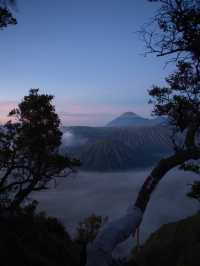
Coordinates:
99	252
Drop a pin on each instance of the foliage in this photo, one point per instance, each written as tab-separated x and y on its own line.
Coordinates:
179	100
29	154
178	23
173	244
6	16
175	29
34	239
89	228
87	231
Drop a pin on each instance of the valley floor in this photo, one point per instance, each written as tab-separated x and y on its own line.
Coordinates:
109	194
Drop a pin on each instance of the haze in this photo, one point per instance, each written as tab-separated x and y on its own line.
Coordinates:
110	194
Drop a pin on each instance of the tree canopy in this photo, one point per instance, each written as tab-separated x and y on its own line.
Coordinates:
29	154
178	22
6	14
175	31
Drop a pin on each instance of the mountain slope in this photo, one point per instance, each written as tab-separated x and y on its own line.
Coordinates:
173	244
115	149
130	119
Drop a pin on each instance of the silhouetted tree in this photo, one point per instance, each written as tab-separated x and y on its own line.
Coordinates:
87	232
179	33
178	22
6	16
89	228
29	150
174	30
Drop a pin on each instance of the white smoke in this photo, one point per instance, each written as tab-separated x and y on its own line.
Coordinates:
70	140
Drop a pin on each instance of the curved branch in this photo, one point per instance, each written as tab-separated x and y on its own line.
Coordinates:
99	253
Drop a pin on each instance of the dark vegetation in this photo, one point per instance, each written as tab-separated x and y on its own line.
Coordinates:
178	24
175	31
6	14
30	158
29	161
30	239
173	244
29	150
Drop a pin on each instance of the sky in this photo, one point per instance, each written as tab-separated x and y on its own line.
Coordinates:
86	53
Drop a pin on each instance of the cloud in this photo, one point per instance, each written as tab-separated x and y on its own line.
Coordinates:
109	194
69	140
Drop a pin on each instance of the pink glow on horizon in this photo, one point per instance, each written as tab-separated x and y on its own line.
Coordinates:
96	115
82	114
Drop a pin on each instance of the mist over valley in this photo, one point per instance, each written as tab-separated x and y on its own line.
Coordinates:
110	194
115	162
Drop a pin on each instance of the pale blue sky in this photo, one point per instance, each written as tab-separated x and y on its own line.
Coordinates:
84	52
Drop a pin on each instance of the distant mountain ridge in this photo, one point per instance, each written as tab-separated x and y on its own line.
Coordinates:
131	119
119	148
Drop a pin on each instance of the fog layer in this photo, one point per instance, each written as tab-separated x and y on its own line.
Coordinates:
110	194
